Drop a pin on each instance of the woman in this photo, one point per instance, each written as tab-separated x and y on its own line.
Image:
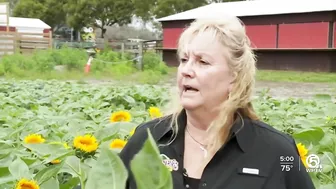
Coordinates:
215	137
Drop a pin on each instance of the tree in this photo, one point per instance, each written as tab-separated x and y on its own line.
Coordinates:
149	9
49	11
107	12
222	1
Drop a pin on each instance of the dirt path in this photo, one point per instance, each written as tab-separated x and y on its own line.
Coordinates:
277	89
296	90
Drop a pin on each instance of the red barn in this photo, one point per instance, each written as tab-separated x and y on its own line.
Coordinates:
286	35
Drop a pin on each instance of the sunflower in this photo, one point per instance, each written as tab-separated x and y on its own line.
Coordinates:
56	161
27	184
34	139
86	143
120	116
154	112
118	143
303	151
132	131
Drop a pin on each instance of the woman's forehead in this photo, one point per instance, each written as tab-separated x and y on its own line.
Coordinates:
202	44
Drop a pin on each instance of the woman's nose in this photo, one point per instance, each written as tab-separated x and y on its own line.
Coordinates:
188	69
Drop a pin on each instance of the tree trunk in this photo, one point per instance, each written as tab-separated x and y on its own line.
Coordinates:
103	31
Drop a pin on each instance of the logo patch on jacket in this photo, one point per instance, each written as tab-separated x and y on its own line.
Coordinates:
171	164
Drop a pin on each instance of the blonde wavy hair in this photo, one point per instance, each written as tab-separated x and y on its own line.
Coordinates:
230	31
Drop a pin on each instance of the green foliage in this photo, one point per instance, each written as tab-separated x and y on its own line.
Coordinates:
161	8
108	12
42	9
108	63
43	61
83	13
61	111
311	122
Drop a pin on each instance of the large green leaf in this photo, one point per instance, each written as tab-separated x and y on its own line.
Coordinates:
109	172
5	175
48	172
52	183
19	169
154	174
311	135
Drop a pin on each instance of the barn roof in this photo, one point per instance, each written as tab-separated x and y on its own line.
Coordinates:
26	22
254	8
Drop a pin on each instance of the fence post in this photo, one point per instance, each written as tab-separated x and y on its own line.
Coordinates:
50	39
123	49
140	55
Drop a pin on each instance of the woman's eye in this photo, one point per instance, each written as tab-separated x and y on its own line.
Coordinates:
183	60
204	62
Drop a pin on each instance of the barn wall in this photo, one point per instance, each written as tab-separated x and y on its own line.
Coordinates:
334	36
170	37
170	57
291	31
300	60
304	35
268	33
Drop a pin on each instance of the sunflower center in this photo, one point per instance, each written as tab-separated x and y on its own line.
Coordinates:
120	118
27	186
34	140
86	142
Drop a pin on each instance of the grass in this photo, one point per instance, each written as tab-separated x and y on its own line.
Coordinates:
296	76
69	64
40	65
288	76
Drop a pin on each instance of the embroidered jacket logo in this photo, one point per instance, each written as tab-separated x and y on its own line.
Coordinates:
171	164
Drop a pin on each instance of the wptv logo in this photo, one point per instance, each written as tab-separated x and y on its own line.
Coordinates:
313	163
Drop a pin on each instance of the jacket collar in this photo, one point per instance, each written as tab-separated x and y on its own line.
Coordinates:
242	130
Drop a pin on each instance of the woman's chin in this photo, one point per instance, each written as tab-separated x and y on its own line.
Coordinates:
189	104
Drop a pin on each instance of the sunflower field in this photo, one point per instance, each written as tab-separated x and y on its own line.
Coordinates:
59	135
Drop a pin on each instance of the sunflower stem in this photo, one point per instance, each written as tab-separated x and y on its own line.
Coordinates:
81	176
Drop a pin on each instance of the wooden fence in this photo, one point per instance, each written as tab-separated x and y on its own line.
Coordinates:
25	43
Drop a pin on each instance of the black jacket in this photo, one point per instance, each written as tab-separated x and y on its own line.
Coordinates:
255	157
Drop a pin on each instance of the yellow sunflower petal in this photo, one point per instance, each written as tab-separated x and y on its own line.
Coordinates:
132	132
303	151
86	143
303	159
118	143
120	116
27	184
56	161
34	139
154	112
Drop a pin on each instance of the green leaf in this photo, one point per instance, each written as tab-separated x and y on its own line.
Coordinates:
154	174
70	184
109	172
48	172
311	135
52	183
71	166
19	169
5	175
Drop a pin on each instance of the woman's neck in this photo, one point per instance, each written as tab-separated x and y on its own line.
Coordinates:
200	120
